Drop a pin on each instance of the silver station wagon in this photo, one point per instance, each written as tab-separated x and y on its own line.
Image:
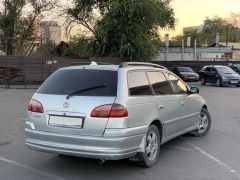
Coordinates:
113	112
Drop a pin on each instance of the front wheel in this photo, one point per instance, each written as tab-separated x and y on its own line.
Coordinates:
203	82
204	124
152	148
219	83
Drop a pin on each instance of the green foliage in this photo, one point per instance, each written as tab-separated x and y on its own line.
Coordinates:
45	50
17	32
211	27
80	47
126	29
227	29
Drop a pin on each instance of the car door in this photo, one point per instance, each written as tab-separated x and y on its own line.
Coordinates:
213	75
166	101
140	102
189	109
206	74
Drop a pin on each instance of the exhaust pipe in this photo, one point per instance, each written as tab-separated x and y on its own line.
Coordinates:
101	161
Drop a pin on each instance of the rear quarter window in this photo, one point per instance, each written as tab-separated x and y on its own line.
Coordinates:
64	82
138	84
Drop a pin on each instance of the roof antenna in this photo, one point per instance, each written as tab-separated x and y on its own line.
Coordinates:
93	63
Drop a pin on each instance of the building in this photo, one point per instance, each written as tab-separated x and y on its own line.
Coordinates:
50	32
192	30
197	54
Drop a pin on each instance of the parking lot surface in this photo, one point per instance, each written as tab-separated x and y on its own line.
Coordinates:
215	156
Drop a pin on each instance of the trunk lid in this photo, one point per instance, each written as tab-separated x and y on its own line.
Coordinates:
70	116
69	95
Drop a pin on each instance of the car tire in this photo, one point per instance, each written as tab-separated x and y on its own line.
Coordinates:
219	83
204	124
238	85
203	82
152	148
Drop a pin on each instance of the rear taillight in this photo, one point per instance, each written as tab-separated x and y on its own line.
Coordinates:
109	111
35	106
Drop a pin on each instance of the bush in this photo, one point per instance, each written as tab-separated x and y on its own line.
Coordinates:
80	47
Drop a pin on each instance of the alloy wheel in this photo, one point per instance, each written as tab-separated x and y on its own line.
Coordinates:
152	145
202	123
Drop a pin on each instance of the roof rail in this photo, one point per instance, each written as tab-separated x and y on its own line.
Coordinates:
126	64
77	64
90	63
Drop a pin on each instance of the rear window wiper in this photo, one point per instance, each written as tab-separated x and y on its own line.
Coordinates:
84	90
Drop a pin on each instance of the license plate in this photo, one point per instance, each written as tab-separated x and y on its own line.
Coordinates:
234	82
66	122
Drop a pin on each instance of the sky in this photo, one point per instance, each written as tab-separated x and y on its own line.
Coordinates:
193	12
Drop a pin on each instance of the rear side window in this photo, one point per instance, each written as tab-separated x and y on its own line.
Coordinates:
138	84
208	69
64	82
159	83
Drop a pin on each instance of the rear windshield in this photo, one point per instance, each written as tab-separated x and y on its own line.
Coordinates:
185	69
65	82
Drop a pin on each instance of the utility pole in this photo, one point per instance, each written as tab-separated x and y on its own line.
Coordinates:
41	51
182	57
167	45
5	15
227	34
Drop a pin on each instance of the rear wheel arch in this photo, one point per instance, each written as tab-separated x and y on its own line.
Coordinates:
159	125
205	107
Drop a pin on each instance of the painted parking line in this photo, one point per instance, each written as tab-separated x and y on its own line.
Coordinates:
51	176
22	119
216	160
180	148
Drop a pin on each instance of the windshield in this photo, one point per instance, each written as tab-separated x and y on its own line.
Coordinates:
68	82
225	70
237	65
185	69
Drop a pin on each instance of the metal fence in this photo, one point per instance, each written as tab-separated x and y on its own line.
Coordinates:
26	71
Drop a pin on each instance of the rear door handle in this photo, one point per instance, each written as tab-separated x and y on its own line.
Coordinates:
182	103
160	107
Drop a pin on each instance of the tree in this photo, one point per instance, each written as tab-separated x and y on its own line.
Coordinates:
18	25
177	41
210	28
234	19
227	29
124	28
233	27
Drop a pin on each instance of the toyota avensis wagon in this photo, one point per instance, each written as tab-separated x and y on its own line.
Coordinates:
112	112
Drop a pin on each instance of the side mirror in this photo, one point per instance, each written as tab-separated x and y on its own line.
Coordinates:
194	90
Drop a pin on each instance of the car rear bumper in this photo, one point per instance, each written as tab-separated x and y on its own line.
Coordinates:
108	148
191	78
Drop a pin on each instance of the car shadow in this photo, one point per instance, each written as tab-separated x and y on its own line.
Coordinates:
69	167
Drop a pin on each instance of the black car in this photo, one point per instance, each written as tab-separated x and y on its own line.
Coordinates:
219	75
186	73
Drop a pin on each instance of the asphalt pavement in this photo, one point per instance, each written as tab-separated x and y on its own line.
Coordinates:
215	156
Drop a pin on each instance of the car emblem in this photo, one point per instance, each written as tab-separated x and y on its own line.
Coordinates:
66	105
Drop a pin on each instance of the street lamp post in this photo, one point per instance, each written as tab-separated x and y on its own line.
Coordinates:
227	34
41	51
167	45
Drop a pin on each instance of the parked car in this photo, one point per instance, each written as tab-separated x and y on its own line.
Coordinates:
219	75
236	68
186	73
113	112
